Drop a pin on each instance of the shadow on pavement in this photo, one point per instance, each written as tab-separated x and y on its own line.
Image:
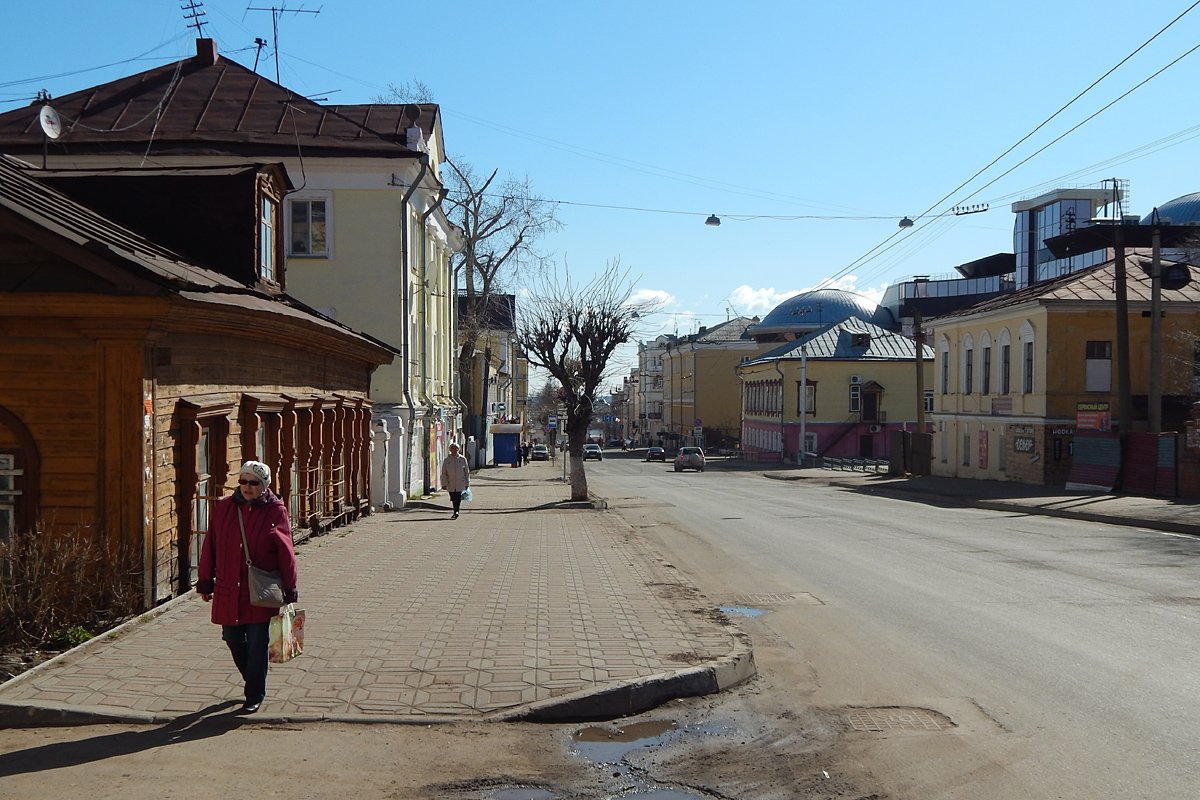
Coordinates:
213	720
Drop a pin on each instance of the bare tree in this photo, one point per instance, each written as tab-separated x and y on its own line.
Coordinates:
571	331
502	222
407	93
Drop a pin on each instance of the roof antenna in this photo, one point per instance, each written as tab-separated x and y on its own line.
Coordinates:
260	43
276	11
194	11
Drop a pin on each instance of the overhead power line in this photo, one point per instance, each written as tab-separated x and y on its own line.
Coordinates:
884	246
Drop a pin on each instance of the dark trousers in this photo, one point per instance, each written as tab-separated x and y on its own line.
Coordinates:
248	645
456	500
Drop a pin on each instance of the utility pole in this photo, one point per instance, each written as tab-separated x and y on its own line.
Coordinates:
1124	387
1155	399
919	338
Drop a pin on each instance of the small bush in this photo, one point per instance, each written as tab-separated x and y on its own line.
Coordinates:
59	588
71	637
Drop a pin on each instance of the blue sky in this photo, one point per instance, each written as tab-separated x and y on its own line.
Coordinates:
809	128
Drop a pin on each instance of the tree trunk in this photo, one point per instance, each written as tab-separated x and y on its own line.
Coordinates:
576	438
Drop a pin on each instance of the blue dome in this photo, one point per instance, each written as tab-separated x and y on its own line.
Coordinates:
814	310
1180	211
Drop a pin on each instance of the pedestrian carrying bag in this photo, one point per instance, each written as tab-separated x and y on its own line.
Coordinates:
266	588
286	634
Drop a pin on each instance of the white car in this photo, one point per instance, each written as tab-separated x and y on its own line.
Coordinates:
592	451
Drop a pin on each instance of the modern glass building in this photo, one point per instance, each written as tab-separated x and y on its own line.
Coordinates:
1058	212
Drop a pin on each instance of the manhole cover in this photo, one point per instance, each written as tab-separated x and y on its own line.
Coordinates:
882	720
775	599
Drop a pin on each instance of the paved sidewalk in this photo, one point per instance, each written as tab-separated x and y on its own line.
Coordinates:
525	607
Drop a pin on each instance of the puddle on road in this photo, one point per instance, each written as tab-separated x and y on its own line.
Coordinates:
610	745
608	749
742	611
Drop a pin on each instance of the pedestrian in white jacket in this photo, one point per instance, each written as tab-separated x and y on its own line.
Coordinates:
456	477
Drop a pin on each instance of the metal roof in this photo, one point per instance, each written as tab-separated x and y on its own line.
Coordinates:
207	104
844	341
1094	284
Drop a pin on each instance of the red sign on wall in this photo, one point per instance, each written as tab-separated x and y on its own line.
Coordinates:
1093	416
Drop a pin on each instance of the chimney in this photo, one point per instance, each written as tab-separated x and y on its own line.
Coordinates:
206	52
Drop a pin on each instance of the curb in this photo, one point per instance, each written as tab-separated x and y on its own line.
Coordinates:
611	702
633	697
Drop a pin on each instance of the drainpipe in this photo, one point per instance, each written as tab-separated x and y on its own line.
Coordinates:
427	476
782	409
405	299
425	280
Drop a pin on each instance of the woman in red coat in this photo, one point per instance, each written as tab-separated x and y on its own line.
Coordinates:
222	571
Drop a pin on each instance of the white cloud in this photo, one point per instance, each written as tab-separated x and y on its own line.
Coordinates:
750	300
655	298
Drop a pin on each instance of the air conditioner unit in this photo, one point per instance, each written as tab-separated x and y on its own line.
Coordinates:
856	379
876	428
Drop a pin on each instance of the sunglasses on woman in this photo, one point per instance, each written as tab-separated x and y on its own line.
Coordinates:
243	482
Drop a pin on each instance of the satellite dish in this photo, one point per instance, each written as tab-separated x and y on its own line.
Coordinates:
51	122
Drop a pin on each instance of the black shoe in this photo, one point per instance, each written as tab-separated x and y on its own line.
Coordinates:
250	708
454	515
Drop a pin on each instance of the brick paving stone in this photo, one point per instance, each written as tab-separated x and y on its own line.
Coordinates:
409	615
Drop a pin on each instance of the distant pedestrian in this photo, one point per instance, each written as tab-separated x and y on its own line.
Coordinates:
223	577
525	453
456	477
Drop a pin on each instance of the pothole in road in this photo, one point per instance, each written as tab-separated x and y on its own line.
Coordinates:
610	748
609	745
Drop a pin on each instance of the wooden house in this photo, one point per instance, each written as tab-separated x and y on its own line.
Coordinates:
364	232
134	378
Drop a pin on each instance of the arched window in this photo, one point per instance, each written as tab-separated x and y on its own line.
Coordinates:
968	364
1004	342
985	363
1027	357
944	359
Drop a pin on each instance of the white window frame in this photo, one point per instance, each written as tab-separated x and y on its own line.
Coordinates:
268	226
1097	370
311	197
1028	358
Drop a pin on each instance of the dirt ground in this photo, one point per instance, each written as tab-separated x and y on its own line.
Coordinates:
740	745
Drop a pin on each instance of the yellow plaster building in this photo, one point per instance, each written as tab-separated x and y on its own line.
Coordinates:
1016	376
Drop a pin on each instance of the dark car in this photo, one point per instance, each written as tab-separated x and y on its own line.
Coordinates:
617	443
689	458
656	454
592	451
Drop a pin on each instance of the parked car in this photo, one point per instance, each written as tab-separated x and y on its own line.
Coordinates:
617	443
592	451
689	458
539	453
656	454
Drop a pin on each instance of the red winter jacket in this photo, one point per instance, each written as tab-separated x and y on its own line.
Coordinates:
222	568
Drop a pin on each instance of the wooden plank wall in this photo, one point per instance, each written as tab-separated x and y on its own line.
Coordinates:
51	383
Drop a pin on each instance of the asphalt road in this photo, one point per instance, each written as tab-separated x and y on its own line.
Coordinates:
1003	655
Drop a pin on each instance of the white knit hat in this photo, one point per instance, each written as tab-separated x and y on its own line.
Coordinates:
258	470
